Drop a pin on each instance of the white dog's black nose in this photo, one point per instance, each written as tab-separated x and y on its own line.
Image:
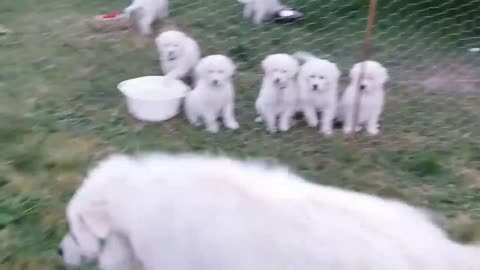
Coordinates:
315	87
215	82
277	80
362	87
60	252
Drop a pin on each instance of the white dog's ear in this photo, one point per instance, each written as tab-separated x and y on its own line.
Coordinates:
265	64
354	71
97	220
336	72
232	67
385	76
199	70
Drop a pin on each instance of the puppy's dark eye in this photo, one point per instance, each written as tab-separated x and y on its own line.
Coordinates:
312	76
321	77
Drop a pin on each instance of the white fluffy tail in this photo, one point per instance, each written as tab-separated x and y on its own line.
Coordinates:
303	57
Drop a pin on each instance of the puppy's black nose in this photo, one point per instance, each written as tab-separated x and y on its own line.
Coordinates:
315	87
215	82
362	87
60	252
277	80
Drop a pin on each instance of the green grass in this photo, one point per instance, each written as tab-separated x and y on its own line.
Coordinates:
60	111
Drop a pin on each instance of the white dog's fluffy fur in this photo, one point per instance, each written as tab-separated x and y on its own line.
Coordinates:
214	94
187	212
178	53
278	96
260	10
146	12
318	87
371	84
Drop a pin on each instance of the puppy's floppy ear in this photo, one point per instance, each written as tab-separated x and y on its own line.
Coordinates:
97	219
199	70
384	77
232	68
336	73
266	64
354	71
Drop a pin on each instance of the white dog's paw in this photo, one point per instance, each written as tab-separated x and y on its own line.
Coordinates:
272	129
327	132
373	131
347	130
284	128
232	125
213	128
312	123
358	128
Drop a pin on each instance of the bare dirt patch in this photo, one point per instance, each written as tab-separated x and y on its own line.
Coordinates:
456	77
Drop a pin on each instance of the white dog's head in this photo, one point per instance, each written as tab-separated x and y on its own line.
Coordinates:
318	75
171	45
87	215
374	76
280	69
215	70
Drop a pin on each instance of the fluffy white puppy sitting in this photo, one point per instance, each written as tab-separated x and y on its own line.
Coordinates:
146	12
318	90
260	10
367	79
187	212
278	96
178	53
214	95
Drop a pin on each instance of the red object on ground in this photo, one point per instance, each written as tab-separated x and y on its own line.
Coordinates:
111	15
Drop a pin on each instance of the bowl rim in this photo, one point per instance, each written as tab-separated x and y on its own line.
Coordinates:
172	97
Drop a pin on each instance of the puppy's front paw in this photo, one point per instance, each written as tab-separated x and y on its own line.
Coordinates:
312	123
373	131
347	130
284	127
213	129
327	132
232	125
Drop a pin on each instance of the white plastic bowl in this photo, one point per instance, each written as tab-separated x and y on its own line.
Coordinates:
153	98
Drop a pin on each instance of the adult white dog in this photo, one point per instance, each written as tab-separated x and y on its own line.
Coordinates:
214	213
146	12
318	90
214	94
367	80
260	10
278	96
178	53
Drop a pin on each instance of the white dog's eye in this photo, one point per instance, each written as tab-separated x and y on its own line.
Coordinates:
321	77
312	76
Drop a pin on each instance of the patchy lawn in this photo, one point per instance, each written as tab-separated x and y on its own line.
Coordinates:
60	111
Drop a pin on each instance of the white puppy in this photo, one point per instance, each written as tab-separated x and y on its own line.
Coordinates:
318	87
214	94
146	12
80	246
197	212
367	79
178	53
278	97
260	10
